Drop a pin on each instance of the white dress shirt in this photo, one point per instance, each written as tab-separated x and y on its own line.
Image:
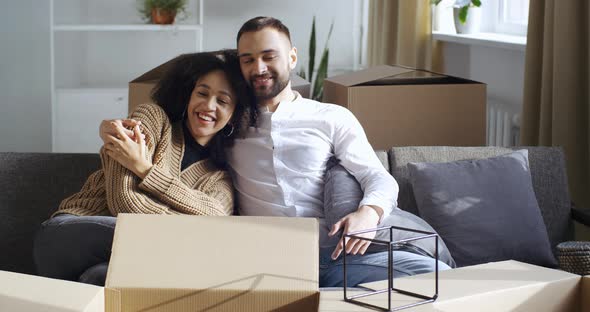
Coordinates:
279	167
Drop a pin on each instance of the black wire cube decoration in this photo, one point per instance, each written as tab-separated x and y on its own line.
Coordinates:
390	247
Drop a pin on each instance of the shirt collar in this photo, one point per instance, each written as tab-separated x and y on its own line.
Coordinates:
285	105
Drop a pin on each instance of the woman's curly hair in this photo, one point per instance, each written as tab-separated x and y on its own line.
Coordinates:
173	92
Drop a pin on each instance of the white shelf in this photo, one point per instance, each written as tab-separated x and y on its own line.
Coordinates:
96	48
493	40
131	27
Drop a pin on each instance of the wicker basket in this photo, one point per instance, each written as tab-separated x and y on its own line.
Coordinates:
574	257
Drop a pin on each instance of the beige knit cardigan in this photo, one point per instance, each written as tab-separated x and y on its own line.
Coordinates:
200	189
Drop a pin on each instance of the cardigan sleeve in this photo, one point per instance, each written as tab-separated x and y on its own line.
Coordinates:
163	193
211	196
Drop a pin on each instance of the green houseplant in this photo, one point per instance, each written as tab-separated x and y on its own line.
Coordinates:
317	90
463	6
161	11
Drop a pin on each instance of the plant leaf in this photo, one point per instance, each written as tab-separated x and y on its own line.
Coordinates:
463	14
318	86
477	3
329	35
311	50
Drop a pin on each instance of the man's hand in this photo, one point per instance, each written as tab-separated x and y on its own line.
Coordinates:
366	217
114	128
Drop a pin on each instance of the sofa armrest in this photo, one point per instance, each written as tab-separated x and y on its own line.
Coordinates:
581	215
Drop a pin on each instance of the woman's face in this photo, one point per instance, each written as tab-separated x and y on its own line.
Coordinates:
211	106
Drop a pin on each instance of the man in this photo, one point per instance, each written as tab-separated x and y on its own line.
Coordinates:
278	168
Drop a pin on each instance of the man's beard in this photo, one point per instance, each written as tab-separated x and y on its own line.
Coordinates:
277	86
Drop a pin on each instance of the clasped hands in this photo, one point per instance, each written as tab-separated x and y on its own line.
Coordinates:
124	142
366	217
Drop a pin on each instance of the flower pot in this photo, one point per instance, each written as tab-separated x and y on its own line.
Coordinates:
472	22
163	16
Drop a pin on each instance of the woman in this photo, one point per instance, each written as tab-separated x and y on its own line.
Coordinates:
174	164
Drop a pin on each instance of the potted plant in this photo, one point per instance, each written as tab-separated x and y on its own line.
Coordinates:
317	87
161	11
461	8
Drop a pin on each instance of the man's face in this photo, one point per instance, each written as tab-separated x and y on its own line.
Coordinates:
266	61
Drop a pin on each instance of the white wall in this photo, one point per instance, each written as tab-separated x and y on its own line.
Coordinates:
25	95
501	69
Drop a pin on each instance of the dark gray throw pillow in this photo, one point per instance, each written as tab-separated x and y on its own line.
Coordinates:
484	209
342	195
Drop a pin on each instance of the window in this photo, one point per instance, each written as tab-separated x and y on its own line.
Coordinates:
512	17
508	17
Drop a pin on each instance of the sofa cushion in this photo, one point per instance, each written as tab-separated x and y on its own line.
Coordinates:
484	209
547	168
342	195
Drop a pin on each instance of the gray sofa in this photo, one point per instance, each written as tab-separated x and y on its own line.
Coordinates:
33	185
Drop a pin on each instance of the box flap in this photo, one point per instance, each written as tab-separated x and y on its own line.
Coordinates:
221	257
333	301
497	286
153	74
22	292
369	74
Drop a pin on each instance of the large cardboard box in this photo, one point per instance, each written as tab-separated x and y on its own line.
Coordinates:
193	263
399	106
25	293
140	88
499	286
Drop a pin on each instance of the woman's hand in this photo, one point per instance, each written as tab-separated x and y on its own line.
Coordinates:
130	153
109	128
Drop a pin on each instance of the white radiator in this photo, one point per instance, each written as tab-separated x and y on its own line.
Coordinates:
503	125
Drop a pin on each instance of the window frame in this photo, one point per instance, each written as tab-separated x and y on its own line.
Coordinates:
503	25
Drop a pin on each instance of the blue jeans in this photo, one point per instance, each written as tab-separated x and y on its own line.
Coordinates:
75	248
372	267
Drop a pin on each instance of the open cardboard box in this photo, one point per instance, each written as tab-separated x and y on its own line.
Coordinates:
196	263
189	263
192	263
400	106
497	286
141	87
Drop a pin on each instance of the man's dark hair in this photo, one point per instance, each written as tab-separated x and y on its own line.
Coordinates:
173	92
261	22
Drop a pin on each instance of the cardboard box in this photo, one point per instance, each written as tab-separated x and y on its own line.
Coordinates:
194	263
22	292
400	106
141	87
499	286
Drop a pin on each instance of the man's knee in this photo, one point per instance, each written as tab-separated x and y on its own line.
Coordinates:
95	275
413	264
